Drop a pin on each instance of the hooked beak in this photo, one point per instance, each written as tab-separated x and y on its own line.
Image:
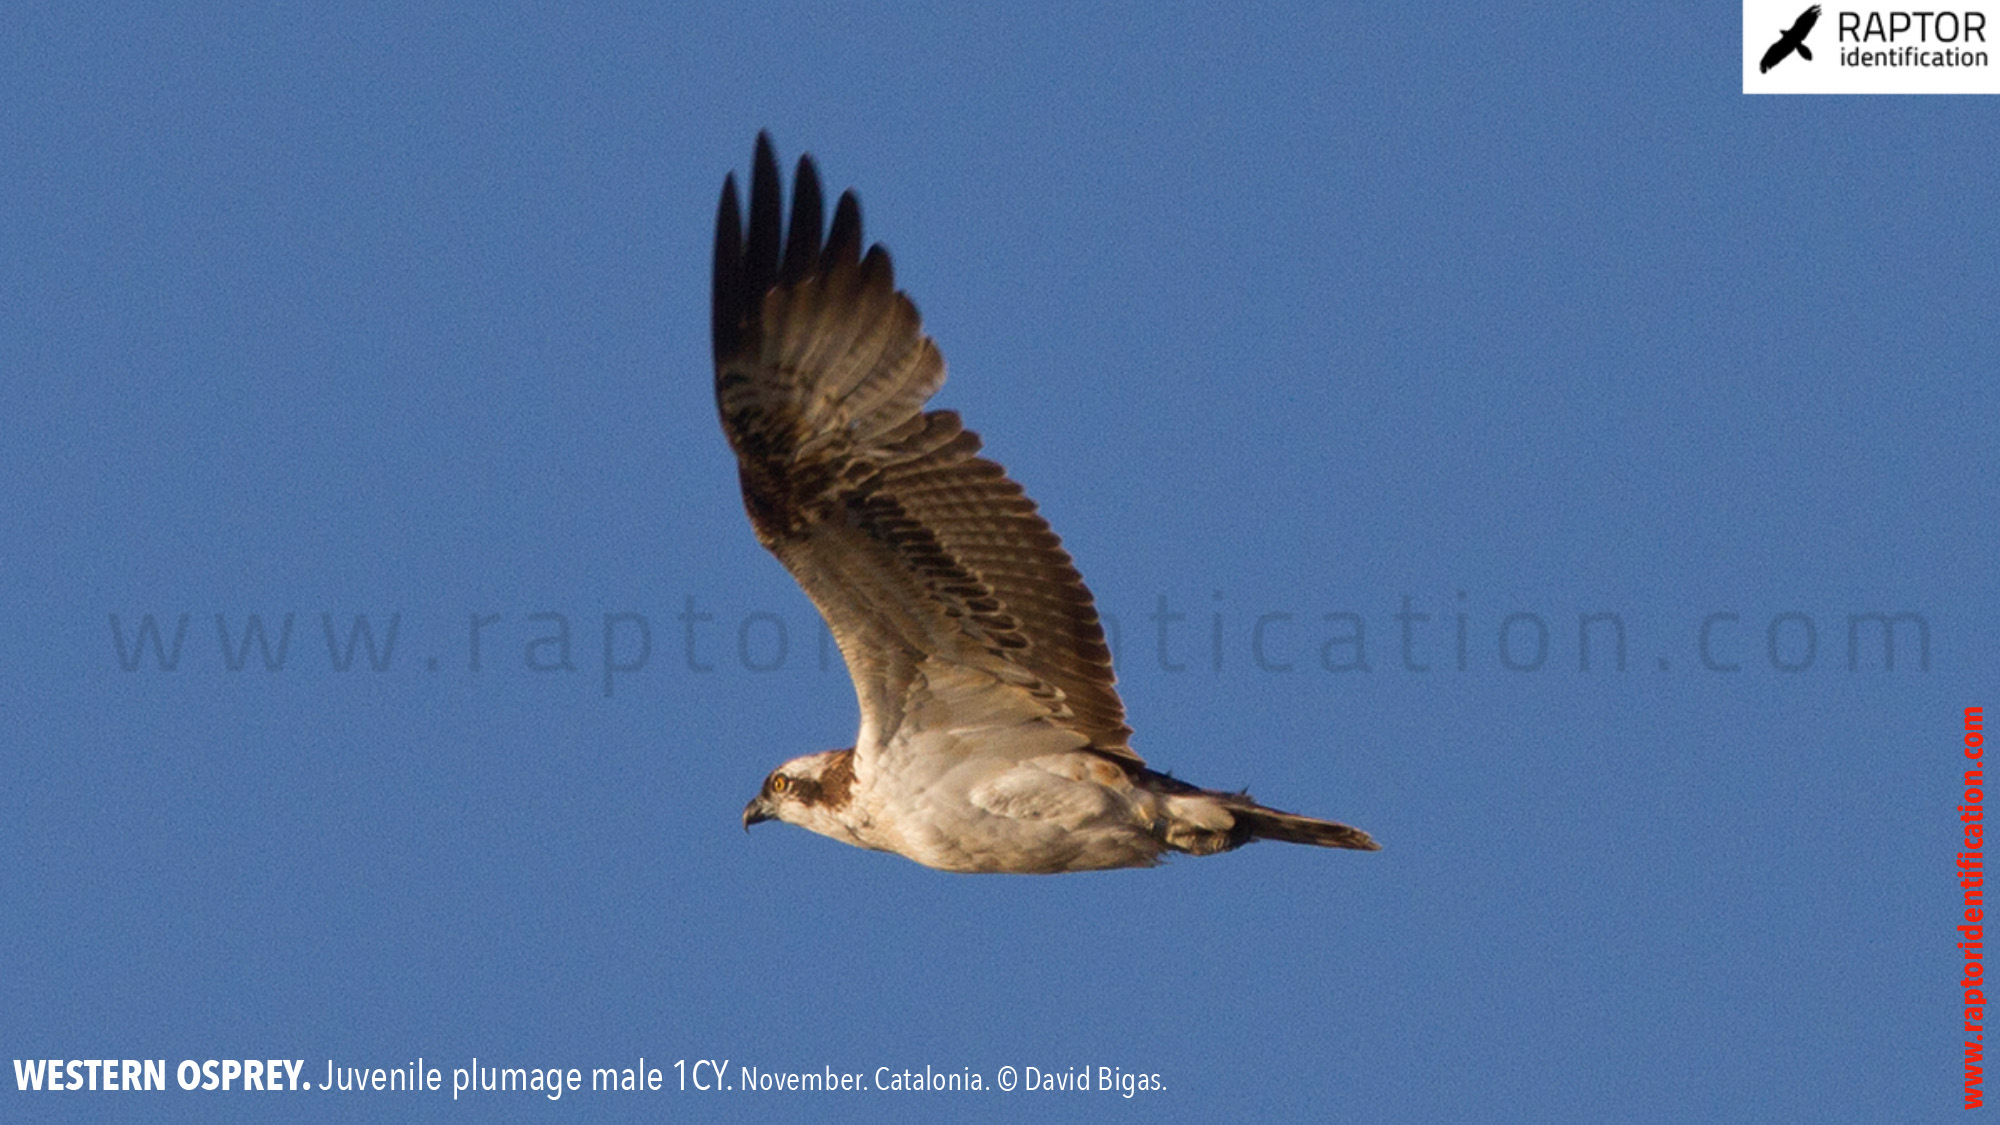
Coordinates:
757	812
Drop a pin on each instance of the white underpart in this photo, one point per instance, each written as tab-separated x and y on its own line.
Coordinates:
976	780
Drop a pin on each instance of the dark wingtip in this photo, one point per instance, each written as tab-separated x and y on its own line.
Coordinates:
808	214
760	255
726	293
750	263
746	263
843	243
877	268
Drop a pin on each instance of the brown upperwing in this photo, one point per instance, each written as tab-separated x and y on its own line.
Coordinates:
913	548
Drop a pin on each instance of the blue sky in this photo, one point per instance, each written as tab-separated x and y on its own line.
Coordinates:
1296	320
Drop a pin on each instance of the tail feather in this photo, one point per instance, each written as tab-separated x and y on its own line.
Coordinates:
1203	821
1270	824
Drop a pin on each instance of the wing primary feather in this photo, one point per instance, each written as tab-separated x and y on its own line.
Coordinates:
877	269
727	308
802	244
760	256
843	244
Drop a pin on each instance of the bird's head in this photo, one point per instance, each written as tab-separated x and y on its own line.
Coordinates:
808	791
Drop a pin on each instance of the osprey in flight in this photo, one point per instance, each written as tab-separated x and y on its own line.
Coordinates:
991	738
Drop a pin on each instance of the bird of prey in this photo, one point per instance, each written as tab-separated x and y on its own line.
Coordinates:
991	737
1792	40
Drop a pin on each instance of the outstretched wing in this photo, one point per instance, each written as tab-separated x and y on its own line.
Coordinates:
931	567
1804	25
1775	55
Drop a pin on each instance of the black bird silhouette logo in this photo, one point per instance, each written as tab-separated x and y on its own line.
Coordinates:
1793	40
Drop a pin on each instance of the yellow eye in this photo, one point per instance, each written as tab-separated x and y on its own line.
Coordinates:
779	782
